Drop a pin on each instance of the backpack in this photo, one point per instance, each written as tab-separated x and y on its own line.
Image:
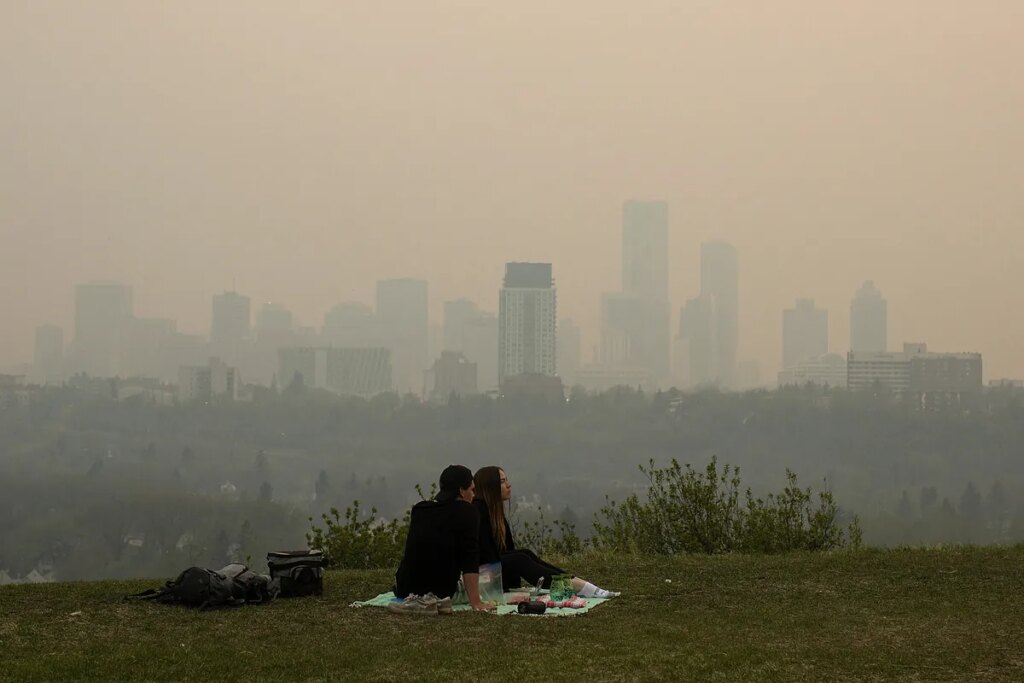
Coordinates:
297	572
204	588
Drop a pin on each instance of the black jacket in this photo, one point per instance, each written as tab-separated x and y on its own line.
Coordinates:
442	544
489	551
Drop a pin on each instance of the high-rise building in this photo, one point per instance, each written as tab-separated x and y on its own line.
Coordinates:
719	281
103	313
868	320
527	322
350	325
698	335
645	250
457	315
804	333
230	320
346	371
149	348
48	354
480	346
403	322
635	321
452	373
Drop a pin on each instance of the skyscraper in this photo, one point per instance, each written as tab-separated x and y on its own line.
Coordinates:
804	333
103	313
645	249
868	320
635	321
719	280
527	321
231	316
698	337
457	315
350	325
403	325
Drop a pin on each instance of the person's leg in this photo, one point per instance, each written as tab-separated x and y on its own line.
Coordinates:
550	568
522	564
585	589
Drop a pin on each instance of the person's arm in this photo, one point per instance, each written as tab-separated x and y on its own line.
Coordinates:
472	582
470	555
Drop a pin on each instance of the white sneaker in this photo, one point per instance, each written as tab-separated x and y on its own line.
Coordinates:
415	604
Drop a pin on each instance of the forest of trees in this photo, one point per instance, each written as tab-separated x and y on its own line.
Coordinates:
91	487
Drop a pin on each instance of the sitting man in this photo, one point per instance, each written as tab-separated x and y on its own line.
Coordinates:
442	543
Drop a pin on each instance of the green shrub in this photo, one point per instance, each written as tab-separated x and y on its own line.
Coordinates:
359	542
687	511
557	540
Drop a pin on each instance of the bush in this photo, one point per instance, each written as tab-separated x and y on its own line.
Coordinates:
687	511
558	541
359	543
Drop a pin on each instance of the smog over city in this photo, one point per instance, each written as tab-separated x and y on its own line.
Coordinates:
259	260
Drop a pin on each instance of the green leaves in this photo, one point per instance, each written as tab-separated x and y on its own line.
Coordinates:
361	541
688	511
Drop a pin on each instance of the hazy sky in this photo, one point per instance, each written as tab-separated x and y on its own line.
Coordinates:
300	150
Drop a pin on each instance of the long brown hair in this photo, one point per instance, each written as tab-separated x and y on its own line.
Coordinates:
488	488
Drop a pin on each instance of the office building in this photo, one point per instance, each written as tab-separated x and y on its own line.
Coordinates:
403	324
868	320
635	322
346	371
698	341
827	370
350	325
930	379
230	322
527	322
719	283
804	333
103	312
451	374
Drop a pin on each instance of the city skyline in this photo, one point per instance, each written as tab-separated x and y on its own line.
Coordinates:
313	153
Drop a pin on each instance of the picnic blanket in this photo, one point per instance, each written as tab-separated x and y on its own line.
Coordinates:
384	599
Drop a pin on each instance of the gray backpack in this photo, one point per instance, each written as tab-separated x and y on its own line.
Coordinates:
204	588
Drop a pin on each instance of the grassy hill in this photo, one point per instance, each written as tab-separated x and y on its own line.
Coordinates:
949	614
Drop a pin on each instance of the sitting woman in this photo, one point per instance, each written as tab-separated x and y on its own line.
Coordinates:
493	491
442	543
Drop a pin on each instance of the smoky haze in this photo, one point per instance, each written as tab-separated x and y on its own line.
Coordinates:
299	154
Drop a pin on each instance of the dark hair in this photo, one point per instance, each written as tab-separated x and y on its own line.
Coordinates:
452	479
488	488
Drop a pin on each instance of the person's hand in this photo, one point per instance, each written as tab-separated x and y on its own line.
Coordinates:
483	606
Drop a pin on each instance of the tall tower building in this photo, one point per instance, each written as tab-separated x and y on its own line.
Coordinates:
229	326
527	321
635	321
457	315
868	320
698	338
350	325
804	333
645	250
719	281
103	314
404	327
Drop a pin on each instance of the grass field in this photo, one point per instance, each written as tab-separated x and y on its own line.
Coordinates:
954	614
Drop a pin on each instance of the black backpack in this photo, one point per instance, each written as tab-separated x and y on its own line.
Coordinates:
204	588
297	572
